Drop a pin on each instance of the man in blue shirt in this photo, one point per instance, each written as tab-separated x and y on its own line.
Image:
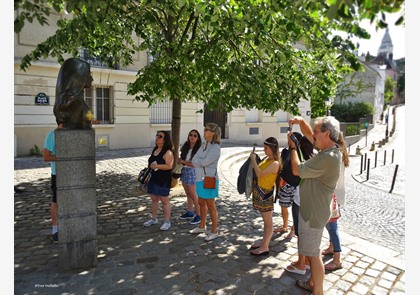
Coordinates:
49	156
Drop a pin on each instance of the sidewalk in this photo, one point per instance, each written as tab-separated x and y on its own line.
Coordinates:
133	259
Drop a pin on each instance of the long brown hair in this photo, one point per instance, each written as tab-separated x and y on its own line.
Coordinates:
186	146
342	143
167	144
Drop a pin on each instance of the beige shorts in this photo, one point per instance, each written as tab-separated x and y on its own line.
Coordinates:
309	239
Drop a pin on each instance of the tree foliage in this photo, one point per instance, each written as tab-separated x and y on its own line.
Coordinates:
233	54
351	112
389	89
401	87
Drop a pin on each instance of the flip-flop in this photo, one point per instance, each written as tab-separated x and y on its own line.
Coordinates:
260	253
333	266
304	284
290	235
326	252
281	230
255	246
294	269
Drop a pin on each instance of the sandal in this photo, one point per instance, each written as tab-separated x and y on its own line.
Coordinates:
281	230
304	284
260	253
294	269
327	252
290	235
333	266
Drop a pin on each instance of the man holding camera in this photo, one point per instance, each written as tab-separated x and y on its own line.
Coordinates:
319	178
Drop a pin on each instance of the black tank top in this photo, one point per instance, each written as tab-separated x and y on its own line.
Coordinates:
160	177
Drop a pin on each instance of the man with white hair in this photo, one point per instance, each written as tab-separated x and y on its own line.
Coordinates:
319	179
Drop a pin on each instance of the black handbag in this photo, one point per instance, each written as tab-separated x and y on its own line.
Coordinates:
144	176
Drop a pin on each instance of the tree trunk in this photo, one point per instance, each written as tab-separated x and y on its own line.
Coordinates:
176	127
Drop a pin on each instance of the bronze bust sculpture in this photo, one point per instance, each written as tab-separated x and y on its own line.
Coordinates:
70	107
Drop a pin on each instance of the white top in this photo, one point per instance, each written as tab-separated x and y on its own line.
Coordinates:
296	197
340	190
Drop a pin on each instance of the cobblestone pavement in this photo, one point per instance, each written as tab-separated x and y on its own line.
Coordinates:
133	259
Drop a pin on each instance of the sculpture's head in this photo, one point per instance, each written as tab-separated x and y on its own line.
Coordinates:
73	77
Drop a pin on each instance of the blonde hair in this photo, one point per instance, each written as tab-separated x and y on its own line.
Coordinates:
217	136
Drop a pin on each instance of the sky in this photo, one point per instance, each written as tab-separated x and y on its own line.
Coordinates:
397	34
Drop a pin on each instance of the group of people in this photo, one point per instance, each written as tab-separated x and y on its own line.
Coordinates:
313	197
321	173
199	159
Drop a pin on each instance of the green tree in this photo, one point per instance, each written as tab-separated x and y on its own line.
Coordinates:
351	112
389	90
401	87
224	53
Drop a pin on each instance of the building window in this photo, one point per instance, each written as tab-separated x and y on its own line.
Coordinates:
100	101
281	116
252	116
254	131
284	129
94	61
161	112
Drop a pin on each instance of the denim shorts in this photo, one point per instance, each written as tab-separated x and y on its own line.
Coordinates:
156	190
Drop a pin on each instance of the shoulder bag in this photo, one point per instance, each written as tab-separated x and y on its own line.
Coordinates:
209	181
144	176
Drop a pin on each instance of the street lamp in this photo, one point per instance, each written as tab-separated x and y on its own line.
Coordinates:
328	104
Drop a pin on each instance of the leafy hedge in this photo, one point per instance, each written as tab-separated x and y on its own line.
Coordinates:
351	112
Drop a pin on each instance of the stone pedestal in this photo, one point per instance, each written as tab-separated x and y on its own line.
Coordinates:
76	198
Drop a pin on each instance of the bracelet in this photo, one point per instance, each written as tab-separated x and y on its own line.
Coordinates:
293	148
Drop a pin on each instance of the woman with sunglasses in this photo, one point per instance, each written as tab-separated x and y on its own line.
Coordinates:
161	161
188	151
205	163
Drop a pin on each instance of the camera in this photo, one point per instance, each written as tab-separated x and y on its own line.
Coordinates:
294	139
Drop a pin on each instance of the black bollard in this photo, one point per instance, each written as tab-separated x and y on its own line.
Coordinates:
384	157
393	179
365	160
367	173
361	164
376	158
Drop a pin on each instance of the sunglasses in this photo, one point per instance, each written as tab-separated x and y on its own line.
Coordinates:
159	136
193	135
207	129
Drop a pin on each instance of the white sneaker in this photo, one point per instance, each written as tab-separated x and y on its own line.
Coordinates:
198	230
165	226
150	222
212	236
